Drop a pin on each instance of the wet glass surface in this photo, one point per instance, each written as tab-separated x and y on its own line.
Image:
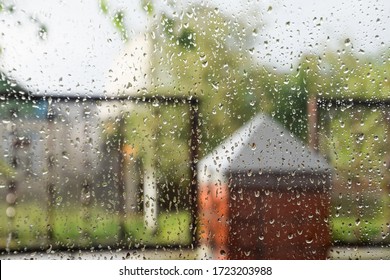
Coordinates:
194	130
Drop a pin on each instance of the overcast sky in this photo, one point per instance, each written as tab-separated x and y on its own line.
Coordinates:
82	45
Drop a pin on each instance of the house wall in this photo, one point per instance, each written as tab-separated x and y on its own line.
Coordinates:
265	222
278	224
213	215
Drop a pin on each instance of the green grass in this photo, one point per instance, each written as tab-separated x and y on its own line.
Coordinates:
366	222
78	228
350	230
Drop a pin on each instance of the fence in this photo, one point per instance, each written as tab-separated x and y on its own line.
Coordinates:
354	134
73	178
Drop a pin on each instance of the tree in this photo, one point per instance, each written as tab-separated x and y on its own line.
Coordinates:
204	54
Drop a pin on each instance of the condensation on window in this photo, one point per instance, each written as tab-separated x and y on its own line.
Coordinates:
194	130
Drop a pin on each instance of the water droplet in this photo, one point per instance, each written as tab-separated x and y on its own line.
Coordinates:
48	251
253	146
215	85
309	241
360	137
59	200
357	222
189	14
10	198
10	212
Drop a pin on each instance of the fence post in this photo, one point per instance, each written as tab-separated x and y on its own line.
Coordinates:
50	187
121	180
194	157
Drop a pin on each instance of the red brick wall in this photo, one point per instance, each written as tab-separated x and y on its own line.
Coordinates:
214	212
275	225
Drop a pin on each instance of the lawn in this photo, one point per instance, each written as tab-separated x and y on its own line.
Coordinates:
98	228
93	228
369	231
364	223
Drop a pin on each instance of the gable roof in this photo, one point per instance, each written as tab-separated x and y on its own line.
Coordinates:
262	145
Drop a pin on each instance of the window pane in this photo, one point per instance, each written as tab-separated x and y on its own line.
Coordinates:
193	130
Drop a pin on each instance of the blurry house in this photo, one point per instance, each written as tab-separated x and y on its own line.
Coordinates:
264	195
47	139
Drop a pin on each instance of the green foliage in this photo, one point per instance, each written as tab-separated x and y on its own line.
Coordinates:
358	76
117	18
290	109
359	149
6	171
147	6
159	137
6	7
118	21
193	58
42	32
103	6
206	60
355	138
167	25
187	39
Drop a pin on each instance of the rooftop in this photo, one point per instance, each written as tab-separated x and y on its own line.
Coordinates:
263	145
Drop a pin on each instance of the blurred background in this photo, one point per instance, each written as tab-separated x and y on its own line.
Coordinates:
97	115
